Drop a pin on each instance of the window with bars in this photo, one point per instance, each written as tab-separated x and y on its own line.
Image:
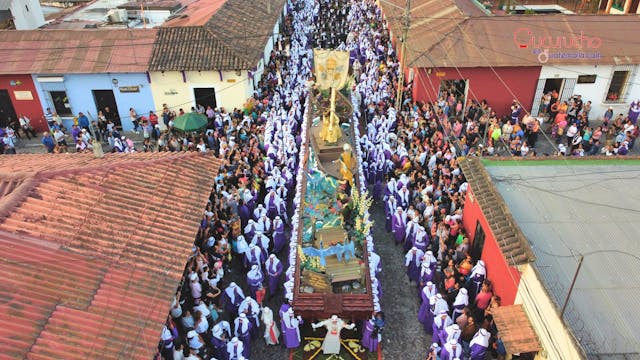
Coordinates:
618	86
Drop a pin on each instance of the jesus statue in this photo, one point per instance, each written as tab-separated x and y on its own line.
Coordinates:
331	343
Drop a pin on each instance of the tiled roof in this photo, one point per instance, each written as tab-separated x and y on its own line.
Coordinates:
246	25
84	51
233	38
445	38
515	329
92	253
193	48
513	244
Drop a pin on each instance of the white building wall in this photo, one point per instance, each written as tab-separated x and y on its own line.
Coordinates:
27	14
596	92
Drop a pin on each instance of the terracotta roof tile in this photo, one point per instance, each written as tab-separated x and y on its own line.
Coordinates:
193	48
93	250
513	244
516	331
232	38
75	51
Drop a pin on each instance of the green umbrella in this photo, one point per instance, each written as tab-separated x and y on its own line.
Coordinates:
190	122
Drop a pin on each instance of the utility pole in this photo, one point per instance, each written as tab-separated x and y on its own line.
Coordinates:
403	47
573	283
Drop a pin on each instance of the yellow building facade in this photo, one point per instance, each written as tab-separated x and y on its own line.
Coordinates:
184	89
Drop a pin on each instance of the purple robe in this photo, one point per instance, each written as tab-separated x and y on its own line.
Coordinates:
445	354
478	352
274	273
219	349
245	337
272	206
290	335
243	212
279	238
413	270
425	316
398	227
440	332
377	191
369	337
230	306
254	284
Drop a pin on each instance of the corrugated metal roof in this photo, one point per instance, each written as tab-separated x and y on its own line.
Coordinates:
443	37
83	51
92	254
571	209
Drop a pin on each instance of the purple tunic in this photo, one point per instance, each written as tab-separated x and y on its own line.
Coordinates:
478	352
290	336
398	228
254	284
219	349
279	239
274	273
245	337
369	338
413	270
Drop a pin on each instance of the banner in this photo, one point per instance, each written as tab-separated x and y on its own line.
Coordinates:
331	68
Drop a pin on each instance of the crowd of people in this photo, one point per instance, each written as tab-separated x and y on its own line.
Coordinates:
247	220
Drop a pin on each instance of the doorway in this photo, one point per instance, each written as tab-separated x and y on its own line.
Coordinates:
459	88
105	99
205	97
6	108
478	242
553	84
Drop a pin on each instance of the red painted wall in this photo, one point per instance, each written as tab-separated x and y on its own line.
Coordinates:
31	108
505	278
483	84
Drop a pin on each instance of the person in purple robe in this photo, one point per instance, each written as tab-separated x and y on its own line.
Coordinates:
254	280
242	331
250	229
461	301
219	343
232	297
243	213
377	191
272	201
634	111
274	269
370	335
291	329
389	209
398	225
412	229
404	197
421	240
453	332
479	344
235	349
425	314
440	323
254	256
426	274
476	279
413	259
279	238
452	350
